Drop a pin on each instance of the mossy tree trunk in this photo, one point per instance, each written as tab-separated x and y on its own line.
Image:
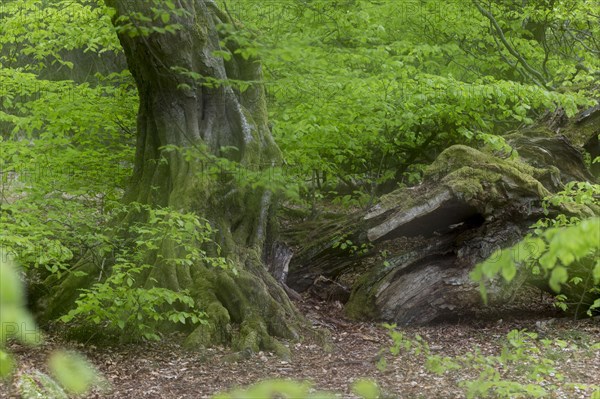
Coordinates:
186	101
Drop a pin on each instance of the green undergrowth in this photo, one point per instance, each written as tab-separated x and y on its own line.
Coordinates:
129	302
527	365
563	250
68	373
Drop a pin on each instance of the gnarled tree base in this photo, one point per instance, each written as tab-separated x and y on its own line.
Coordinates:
246	309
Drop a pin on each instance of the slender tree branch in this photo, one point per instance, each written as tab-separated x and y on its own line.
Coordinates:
547	51
539	78
585	46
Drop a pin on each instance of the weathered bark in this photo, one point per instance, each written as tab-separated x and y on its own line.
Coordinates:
419	244
204	116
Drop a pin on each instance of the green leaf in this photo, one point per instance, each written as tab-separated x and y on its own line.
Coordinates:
509	271
596	272
566	256
72	371
7	364
594	306
558	277
366	389
547	261
476	274
226	55
11	287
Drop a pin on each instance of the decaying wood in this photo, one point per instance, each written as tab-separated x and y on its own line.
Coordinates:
408	258
278	261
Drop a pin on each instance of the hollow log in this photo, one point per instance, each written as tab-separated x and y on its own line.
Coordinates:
407	259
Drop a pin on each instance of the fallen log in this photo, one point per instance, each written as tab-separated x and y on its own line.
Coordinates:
408	258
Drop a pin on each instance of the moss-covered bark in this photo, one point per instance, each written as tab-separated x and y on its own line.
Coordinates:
187	101
423	241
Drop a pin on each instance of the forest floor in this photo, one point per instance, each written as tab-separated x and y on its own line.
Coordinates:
165	370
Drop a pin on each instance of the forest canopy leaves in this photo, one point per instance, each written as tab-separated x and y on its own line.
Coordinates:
368	92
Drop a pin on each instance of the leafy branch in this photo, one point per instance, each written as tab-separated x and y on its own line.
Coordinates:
536	76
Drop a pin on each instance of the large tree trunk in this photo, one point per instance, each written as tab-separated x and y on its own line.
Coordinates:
186	101
408	259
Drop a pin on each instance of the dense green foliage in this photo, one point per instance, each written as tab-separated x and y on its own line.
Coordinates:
563	250
122	306
364	92
66	145
67	150
362	96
